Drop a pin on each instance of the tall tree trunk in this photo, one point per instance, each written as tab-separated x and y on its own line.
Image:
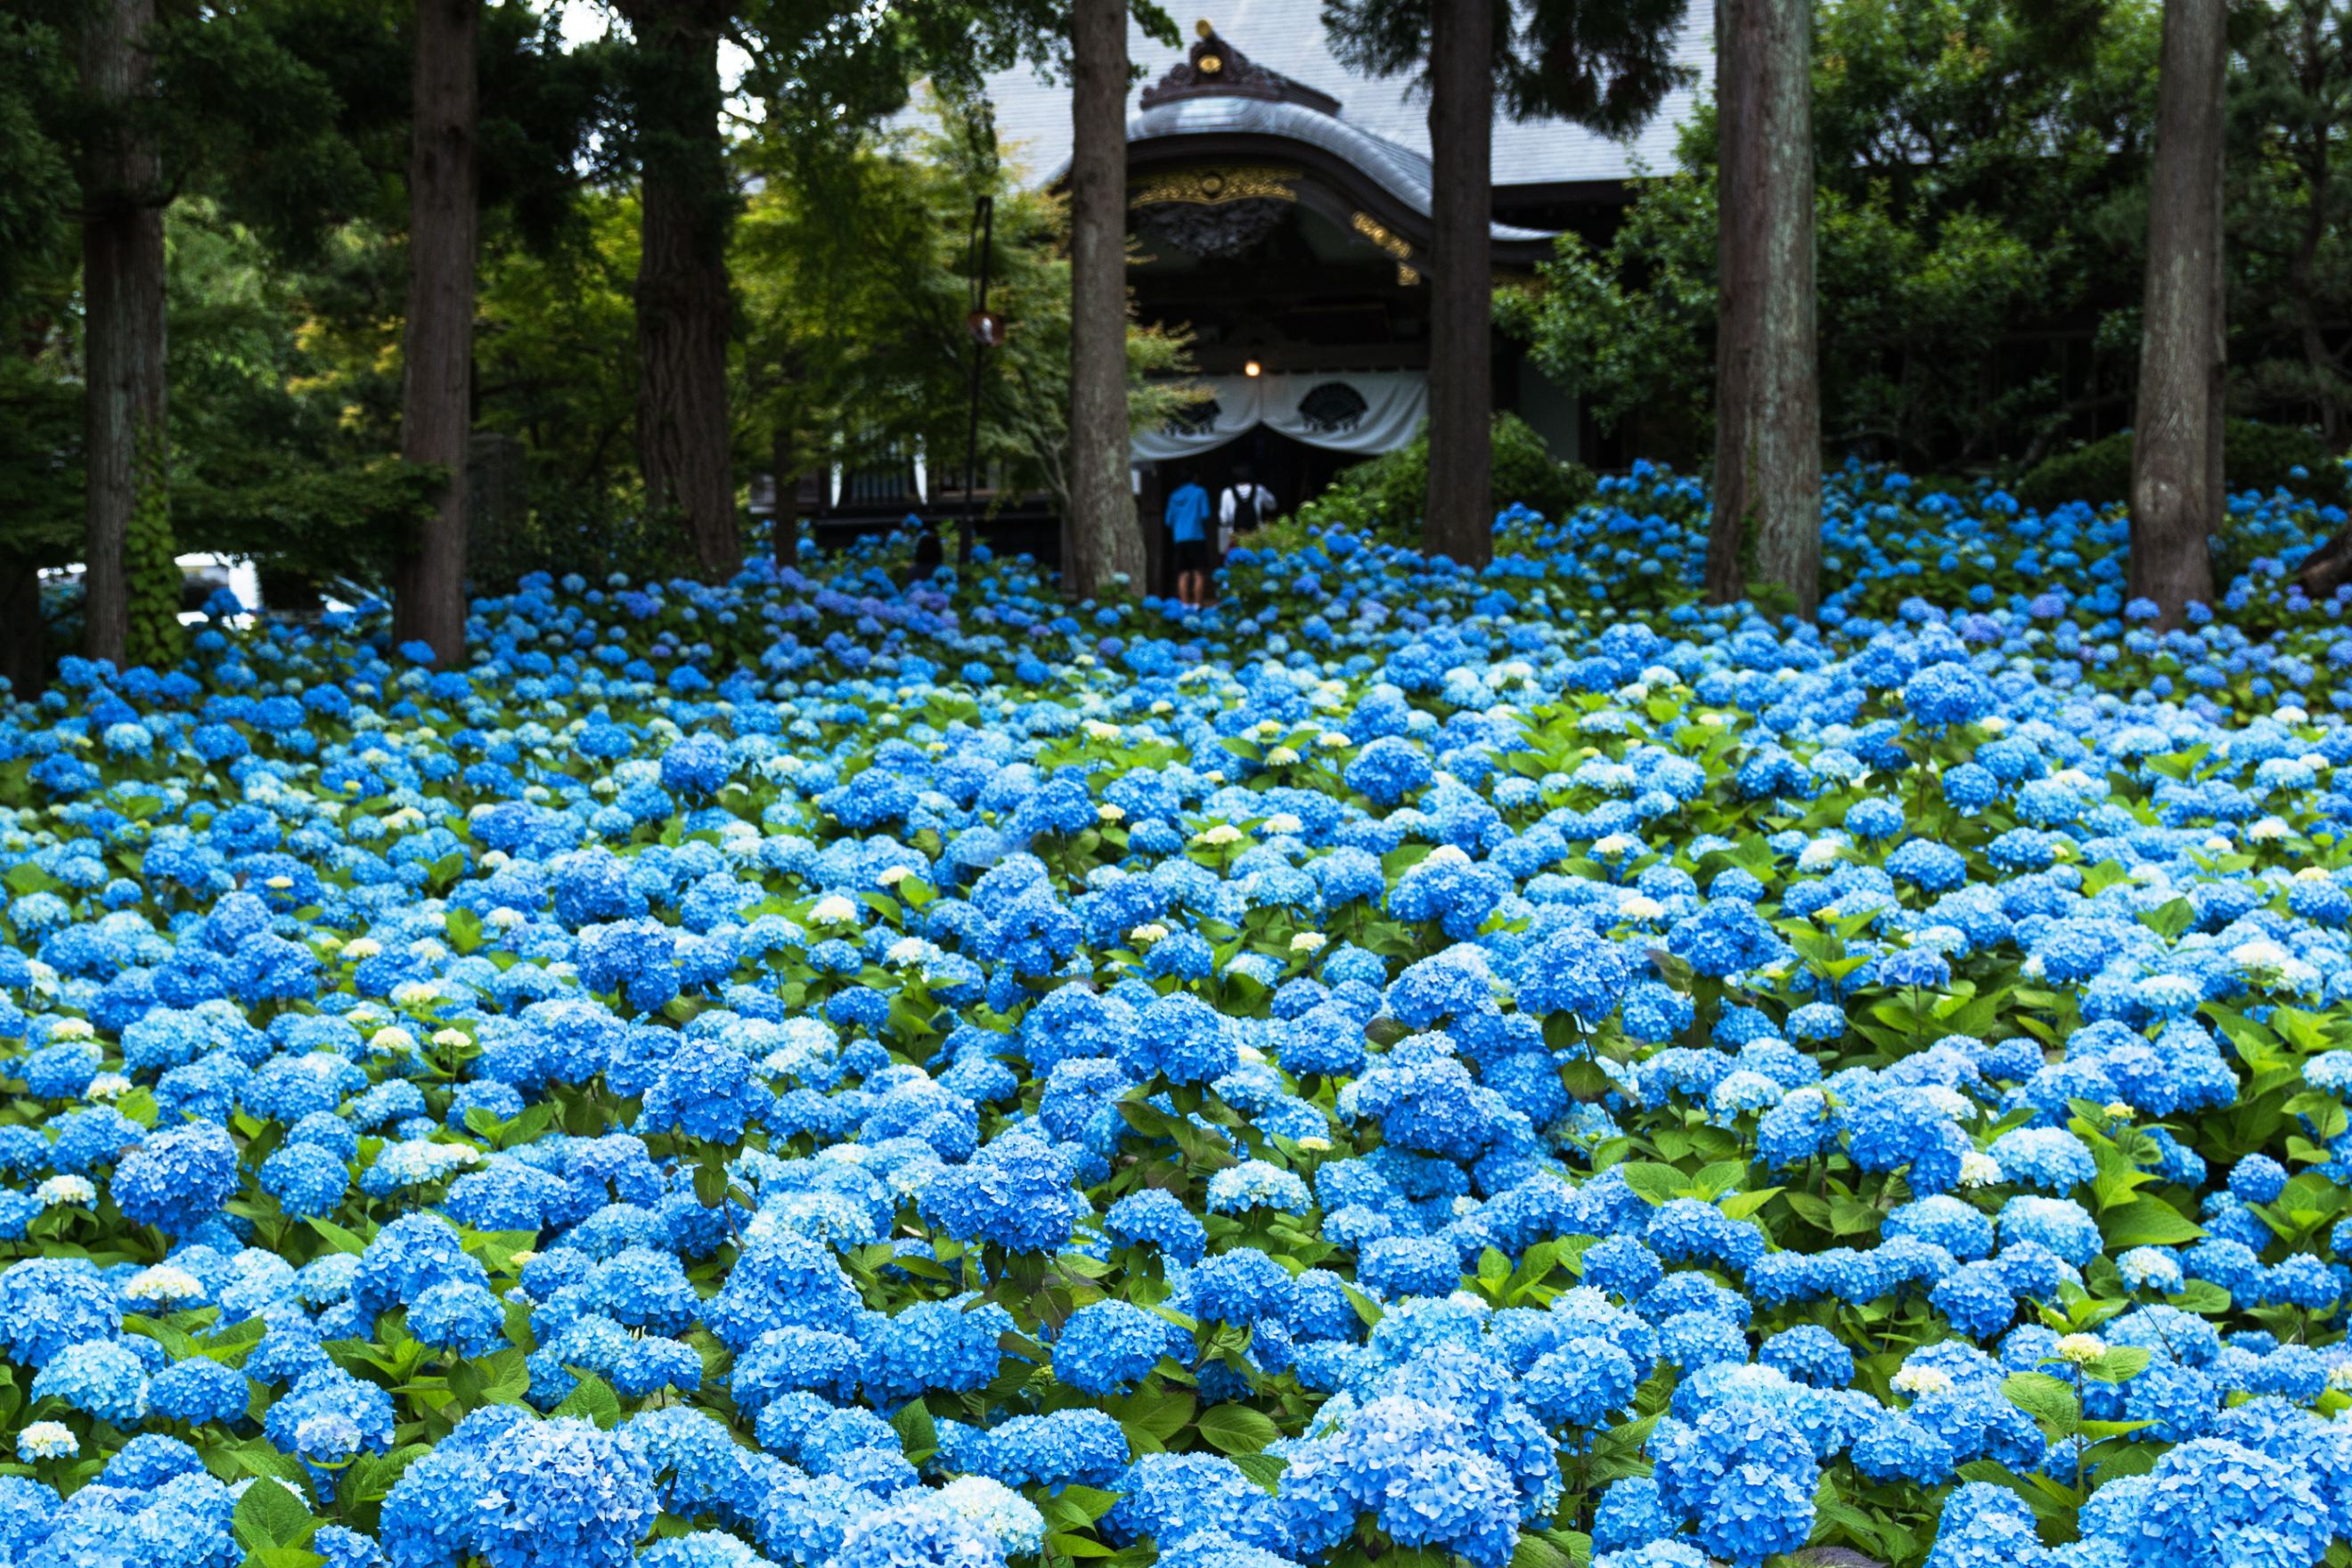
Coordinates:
785	522
428	601
1767	430
1102	532
2177	485
132	587
1458	517
688	206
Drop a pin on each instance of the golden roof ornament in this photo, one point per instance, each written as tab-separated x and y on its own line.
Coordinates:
1212	68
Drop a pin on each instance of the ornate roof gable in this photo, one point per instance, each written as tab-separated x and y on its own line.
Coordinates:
1214	69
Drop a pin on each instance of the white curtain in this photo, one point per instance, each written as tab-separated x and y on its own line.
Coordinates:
1365	411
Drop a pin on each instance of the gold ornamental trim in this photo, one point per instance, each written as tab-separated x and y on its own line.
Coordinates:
1370	227
1213	188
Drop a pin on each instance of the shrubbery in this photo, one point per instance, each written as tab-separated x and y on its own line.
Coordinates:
2264	457
1389	491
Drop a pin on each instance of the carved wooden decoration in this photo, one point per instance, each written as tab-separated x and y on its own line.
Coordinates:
1227	229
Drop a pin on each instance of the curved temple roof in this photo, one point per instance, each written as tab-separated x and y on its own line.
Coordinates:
1034	115
1167	132
1220	104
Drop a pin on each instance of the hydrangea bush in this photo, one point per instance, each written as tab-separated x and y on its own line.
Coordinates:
1402	1066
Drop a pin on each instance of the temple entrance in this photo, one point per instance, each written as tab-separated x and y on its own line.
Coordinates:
1295	471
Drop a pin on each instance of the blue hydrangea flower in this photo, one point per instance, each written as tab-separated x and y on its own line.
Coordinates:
2062	1225
309	1182
199	1391
561	1491
1016	1192
178	1178
100	1377
1743	1475
1575	973
459	1315
1181	1036
1254	1183
2050	1158
1579	1384
2257	1179
1158	1216
708	1091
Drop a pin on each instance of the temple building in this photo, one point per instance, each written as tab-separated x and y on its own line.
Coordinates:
1281	203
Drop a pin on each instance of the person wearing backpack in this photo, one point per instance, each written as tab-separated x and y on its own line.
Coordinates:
1245	506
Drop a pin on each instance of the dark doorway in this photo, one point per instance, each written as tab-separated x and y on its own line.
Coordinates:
1296	472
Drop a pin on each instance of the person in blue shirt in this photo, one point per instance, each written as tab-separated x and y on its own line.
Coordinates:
1187	524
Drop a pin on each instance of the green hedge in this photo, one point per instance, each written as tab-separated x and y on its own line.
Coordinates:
2253	456
1389	489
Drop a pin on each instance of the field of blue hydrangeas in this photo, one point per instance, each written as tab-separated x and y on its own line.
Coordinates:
1401	1066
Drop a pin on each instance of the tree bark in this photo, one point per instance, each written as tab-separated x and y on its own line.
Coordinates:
1103	537
437	348
683	307
2177	485
785	522
1458	517
1768	430
128	496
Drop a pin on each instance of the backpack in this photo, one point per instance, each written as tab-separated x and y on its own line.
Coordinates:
1245	515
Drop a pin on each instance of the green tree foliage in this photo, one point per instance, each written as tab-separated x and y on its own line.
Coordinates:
555	356
1385	492
2290	195
555	349
1905	347
856	290
286	122
276	455
1605	64
555	368
263	129
1967	186
40	406
36	87
2264	457
41	402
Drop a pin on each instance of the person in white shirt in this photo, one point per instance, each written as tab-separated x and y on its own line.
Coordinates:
1244	505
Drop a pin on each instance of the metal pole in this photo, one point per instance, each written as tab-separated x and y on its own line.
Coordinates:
984	219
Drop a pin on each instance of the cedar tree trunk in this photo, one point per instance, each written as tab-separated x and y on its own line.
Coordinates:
1458	517
2177	486
1768	431
1102	535
438	350
688	206
129	550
